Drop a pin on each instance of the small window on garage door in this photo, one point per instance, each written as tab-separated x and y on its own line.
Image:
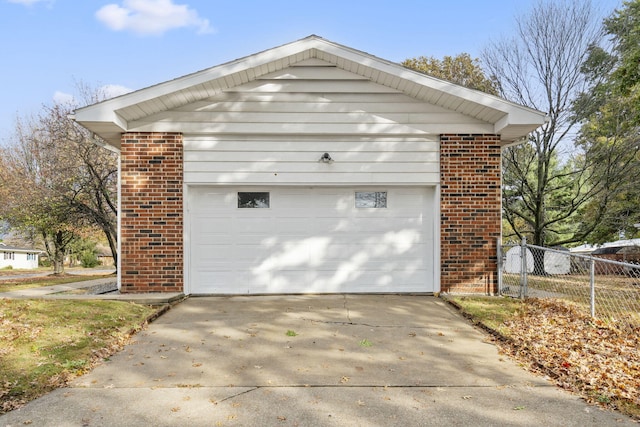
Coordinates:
371	199
253	200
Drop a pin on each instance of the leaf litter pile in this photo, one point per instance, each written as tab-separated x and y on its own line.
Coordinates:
597	359
46	343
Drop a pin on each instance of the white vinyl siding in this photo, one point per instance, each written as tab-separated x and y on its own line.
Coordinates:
18	258
311	100
222	160
275	128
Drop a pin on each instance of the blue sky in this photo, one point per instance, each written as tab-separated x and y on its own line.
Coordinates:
46	46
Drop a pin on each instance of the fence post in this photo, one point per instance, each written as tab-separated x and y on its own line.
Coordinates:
592	284
523	268
499	254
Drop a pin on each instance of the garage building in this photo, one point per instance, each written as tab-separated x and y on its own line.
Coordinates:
309	168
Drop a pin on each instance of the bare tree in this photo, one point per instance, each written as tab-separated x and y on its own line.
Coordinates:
90	172
29	202
546	180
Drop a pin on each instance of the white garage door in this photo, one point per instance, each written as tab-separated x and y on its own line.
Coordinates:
310	240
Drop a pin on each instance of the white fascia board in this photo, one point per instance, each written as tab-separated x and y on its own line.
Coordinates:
521	116
99	113
102	111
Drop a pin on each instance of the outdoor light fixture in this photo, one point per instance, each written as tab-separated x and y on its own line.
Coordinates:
326	158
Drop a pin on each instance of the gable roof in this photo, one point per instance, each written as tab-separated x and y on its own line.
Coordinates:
112	117
8	248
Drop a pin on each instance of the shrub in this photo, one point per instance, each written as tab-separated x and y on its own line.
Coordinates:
88	259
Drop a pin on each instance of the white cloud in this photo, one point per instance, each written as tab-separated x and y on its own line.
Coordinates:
64	98
151	17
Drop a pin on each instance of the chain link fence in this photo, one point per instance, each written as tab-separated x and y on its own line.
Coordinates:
606	288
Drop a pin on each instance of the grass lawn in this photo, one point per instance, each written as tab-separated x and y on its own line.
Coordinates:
489	312
597	359
44	343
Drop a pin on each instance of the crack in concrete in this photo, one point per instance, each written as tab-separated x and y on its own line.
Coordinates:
240	394
347	308
336	322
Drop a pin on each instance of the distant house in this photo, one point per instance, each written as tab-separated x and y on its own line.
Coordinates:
105	256
627	251
623	253
14	257
620	248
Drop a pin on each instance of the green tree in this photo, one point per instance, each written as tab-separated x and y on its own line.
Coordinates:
460	69
610	132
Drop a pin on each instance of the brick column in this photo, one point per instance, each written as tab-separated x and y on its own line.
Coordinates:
151	212
470	212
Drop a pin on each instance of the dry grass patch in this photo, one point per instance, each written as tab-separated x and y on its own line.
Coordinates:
6	271
598	360
44	343
9	285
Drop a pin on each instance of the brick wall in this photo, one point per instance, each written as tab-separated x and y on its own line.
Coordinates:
470	220
151	212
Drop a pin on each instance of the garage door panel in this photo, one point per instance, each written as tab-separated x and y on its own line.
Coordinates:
384	225
310	240
264	240
329	226
257	226
215	239
210	252
217	282
294	227
211	224
206	200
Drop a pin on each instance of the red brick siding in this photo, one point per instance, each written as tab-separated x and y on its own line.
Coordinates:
470	167
151	212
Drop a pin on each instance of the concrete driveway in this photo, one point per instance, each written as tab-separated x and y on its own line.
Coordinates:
335	360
